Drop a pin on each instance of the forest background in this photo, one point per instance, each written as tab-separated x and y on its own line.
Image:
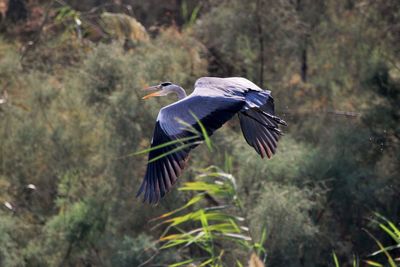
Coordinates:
71	115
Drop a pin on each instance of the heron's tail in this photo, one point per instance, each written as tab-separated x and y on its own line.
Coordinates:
259	123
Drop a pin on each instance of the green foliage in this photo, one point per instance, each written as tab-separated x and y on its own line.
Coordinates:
71	118
9	65
205	228
262	40
10	255
284	211
70	133
133	251
189	17
390	229
355	262
103	72
76	229
290	153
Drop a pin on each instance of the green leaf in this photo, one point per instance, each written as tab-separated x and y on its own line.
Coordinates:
204	263
191	202
215	224
199	186
390	232
204	221
259	246
386	248
172	151
373	263
181	263
194	14
389	258
203	131
395	230
335	259
173	142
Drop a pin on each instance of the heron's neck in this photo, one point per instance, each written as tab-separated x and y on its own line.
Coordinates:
180	92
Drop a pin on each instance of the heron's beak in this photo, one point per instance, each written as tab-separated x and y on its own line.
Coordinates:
158	93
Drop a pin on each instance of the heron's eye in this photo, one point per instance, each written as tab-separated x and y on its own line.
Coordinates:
166	84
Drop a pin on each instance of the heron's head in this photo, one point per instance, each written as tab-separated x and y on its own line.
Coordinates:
162	89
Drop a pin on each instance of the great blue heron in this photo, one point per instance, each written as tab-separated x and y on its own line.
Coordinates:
213	102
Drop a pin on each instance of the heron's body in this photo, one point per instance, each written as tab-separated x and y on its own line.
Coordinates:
213	102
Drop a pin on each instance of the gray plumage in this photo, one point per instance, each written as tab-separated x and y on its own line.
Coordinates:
213	102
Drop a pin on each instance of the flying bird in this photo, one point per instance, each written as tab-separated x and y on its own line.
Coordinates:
213	102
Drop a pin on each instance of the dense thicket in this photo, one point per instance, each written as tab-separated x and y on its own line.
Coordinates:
71	116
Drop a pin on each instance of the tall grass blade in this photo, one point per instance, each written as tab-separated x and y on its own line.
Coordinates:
181	263
391	225
389	258
173	142
373	263
203	131
172	151
259	246
335	259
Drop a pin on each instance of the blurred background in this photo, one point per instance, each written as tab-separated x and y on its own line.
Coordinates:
71	115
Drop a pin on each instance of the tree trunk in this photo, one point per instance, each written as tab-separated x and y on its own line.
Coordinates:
304	62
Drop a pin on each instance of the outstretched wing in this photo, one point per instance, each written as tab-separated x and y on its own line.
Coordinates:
259	123
176	122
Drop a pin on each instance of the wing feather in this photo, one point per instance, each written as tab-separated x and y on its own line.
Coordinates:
259	123
211	110
213	102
